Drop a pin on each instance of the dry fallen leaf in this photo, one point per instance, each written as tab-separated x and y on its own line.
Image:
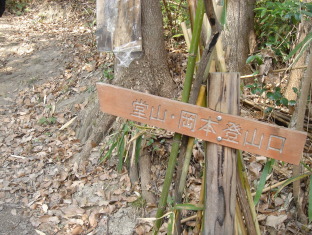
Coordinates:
67	124
45	208
118	191
93	218
13	212
275	221
72	210
39	232
35	221
76	230
49	219
255	169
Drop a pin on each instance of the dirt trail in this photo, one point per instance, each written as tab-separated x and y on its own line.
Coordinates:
49	66
25	60
48	69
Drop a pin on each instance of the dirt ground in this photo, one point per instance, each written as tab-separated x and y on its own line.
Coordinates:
49	66
46	71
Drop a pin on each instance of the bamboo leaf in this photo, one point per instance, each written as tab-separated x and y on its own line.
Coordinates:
306	166
307	13
155	219
266	171
308	38
138	144
121	150
109	152
291	180
223	16
67	124
121	146
302	50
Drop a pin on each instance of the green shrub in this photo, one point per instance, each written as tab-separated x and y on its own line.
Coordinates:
276	24
17	6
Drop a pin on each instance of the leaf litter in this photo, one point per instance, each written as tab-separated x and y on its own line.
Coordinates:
37	131
37	135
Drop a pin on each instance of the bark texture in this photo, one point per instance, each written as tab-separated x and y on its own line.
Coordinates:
149	74
238	30
297	122
297	74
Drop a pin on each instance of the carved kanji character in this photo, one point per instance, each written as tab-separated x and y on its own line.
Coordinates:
188	120
139	109
232	132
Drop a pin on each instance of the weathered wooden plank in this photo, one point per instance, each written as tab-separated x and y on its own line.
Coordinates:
203	123
220	161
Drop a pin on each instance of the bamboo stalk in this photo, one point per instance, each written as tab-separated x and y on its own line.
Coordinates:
187	159
190	145
188	219
185	97
199	215
244	180
243	205
192	11
271	187
206	56
193	52
186	35
239	223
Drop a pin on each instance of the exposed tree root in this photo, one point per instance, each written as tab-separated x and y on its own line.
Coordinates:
103	125
145	175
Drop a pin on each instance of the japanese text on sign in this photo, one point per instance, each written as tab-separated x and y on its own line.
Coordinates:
203	123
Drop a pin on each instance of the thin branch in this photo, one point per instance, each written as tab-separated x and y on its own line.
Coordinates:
274	71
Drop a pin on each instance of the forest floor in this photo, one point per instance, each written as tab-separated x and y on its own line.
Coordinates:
47	64
48	69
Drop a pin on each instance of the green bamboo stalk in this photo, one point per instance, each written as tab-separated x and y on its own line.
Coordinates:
189	148
243	178
187	158
198	224
185	97
168	178
193	51
310	201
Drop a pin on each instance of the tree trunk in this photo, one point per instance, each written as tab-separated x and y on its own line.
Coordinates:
297	74
149	73
297	122
237	34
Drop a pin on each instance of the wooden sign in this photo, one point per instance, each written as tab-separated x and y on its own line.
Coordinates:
203	123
